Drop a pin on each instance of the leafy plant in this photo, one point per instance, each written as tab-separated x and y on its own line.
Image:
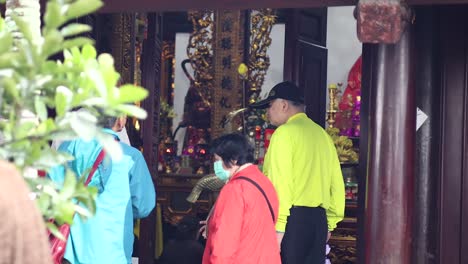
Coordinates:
31	83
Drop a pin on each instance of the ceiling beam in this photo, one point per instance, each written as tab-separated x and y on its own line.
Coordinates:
177	5
180	5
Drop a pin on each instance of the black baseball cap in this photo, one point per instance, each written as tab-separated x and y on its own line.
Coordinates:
284	90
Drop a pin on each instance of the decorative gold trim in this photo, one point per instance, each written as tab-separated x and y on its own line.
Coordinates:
200	52
262	22
168	50
141	26
123	51
167	84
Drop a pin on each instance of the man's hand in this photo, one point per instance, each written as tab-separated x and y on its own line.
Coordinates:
328	236
279	237
202	230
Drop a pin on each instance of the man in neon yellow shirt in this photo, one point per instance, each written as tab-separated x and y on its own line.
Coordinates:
303	165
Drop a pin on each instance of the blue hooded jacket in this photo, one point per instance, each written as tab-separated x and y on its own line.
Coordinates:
125	193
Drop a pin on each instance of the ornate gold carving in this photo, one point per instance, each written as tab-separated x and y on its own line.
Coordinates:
168	50
141	25
262	22
333	91
123	31
167	86
200	53
343	246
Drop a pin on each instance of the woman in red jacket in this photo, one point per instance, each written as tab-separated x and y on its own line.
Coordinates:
241	228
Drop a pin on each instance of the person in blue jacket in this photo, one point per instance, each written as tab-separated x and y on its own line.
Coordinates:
125	193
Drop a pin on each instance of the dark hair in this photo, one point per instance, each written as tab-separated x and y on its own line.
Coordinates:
233	147
107	121
296	104
187	228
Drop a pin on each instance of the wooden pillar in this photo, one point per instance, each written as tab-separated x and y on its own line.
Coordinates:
427	145
368	54
389	199
150	65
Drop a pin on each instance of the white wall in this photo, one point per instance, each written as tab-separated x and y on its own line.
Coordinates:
181	85
276	52
343	45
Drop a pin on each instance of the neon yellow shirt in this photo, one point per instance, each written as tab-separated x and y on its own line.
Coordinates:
303	165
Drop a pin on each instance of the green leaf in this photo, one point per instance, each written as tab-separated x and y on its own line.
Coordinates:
52	43
77	42
132	110
98	81
67	55
26	126
10	88
74	29
84	124
95	101
54	230
43	202
65	212
106	61
53	17
50	159
83	212
23	27
69	186
40	107
63	98
130	93
7	43
88	52
9	59
83	7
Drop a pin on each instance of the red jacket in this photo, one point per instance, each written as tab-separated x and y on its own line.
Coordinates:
241	229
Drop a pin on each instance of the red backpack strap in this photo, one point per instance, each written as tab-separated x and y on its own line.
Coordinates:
98	161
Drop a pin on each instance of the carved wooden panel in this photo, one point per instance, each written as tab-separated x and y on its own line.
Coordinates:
228	51
123	45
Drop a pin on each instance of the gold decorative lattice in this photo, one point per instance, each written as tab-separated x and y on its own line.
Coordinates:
262	22
200	52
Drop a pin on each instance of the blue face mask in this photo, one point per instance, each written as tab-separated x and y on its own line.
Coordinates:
220	171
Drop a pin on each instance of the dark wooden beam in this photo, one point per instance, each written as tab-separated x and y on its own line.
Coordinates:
437	2
178	5
369	52
174	5
117	6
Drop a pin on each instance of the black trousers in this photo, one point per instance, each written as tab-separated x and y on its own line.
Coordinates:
305	236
